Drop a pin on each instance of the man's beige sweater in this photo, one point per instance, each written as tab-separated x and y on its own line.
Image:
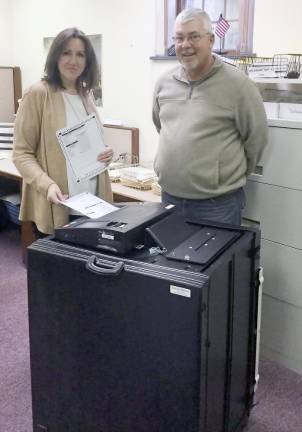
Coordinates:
212	132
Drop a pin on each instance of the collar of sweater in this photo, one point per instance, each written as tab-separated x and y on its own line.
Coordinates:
181	75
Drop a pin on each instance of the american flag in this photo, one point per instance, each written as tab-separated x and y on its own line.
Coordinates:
222	27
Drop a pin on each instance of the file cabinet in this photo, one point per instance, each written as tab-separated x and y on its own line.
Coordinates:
274	202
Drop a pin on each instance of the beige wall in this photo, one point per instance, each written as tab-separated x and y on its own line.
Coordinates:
128	30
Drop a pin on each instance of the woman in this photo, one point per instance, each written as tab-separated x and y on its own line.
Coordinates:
62	98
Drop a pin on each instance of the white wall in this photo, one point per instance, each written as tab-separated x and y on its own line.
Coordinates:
277	27
129	34
5	33
128	31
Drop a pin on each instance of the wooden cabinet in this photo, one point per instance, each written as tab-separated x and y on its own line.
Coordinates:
124	142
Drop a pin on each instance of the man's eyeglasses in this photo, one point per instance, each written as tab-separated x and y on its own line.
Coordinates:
193	38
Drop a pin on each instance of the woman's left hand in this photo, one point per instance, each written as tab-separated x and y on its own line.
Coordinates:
105	156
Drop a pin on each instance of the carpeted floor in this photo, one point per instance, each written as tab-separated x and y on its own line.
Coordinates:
15	398
278	400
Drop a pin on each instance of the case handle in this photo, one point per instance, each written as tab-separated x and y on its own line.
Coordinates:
104	268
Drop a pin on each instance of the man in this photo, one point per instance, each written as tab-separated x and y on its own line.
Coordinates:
212	127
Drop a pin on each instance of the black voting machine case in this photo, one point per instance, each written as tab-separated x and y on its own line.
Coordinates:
160	339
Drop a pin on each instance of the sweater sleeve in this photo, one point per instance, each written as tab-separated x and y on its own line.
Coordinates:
27	137
155	110
252	123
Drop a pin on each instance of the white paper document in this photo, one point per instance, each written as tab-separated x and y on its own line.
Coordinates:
81	144
89	205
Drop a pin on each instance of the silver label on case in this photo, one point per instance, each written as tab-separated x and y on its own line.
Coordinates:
184	292
107	236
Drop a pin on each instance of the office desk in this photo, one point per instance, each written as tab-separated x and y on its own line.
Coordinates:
120	194
9	171
7	168
123	193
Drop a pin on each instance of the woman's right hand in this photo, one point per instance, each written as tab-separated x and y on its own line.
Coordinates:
54	194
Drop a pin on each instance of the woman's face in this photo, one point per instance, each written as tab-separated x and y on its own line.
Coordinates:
72	62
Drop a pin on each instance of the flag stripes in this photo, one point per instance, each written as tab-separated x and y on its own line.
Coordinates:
222	27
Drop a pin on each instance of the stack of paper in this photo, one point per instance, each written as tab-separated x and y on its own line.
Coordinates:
6	136
137	177
114	175
156	188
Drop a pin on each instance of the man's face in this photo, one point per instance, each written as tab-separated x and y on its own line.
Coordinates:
193	46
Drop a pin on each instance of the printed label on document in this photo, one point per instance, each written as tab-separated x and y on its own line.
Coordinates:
184	292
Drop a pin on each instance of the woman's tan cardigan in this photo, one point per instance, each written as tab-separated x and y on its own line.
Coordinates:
39	158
